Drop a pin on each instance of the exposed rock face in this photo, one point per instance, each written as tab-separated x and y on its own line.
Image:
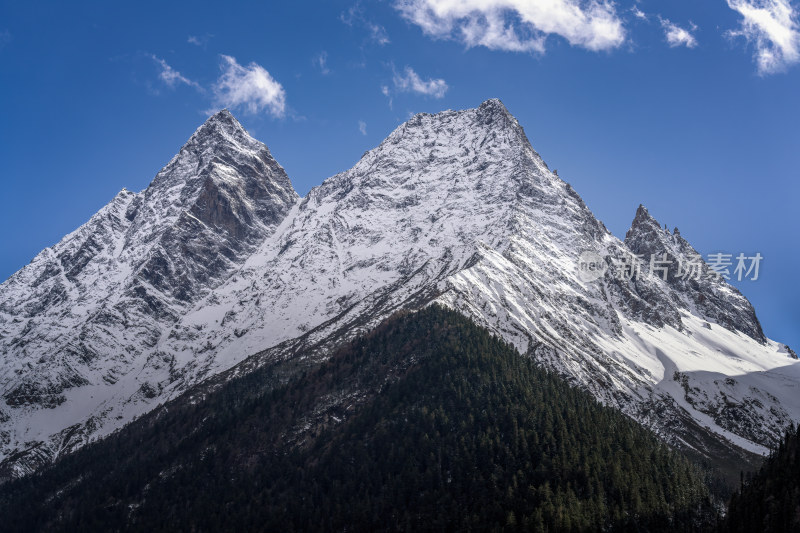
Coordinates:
700	290
218	198
219	260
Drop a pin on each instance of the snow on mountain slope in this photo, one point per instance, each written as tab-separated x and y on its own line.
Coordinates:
77	322
415	205
454	208
457	208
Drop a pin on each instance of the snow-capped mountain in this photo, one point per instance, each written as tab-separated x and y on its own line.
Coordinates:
218	260
85	315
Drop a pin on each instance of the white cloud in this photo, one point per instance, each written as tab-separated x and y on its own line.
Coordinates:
638	13
251	88
772	27
518	25
677	36
355	15
172	77
321	62
362	127
201	41
410	81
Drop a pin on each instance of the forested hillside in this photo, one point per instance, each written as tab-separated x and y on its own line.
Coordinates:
428	422
769	501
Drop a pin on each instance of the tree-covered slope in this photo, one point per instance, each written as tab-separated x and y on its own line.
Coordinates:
426	423
769	501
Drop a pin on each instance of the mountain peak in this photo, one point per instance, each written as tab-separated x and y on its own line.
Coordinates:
647	236
643	223
494	111
220	138
223	113
493	104
223	116
642	215
221	158
490	118
707	294
466	147
220	124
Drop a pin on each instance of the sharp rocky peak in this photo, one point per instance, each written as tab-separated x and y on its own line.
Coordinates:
219	138
643	221
493	107
646	235
223	178
699	287
221	146
220	123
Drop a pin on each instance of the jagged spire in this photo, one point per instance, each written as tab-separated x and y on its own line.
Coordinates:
643	222
710	295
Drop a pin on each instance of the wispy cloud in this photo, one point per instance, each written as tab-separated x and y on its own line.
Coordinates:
362	127
409	81
772	27
172	77
677	36
638	13
388	94
518	25
351	14
320	61
251	88
197	40
378	33
354	16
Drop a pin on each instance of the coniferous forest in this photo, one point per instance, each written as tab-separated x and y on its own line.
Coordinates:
769	501
426	423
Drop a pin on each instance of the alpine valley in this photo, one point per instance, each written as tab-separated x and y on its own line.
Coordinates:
219	269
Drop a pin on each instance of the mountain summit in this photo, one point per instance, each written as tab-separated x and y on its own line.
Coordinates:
700	289
87	312
218	267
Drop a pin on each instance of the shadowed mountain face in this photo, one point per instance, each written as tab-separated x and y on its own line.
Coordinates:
219	260
218	198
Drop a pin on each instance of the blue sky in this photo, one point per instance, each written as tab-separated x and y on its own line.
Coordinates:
690	108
